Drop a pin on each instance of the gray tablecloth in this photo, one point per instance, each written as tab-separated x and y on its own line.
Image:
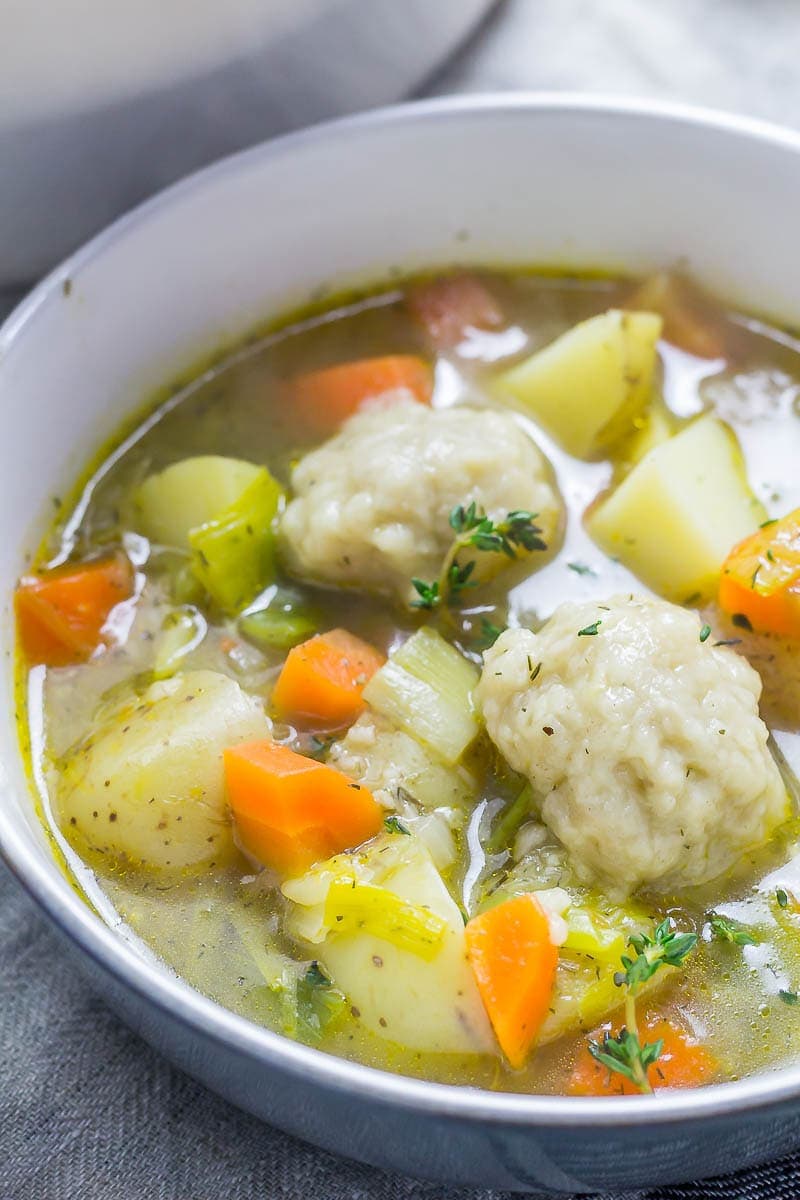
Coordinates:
87	1112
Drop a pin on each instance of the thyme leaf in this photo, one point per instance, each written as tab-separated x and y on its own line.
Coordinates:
731	931
474	530
393	824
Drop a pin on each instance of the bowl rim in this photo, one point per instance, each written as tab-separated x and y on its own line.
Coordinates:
49	887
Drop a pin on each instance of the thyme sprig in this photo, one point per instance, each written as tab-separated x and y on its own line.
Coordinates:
625	1053
474	530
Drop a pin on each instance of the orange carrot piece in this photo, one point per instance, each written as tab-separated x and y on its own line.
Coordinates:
684	1062
690	322
446	308
291	811
514	962
322	679
61	614
761	577
322	400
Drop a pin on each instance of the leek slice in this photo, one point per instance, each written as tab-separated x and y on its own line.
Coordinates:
234	554
352	907
426	689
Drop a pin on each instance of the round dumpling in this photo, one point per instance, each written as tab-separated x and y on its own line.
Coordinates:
371	506
643	744
148	787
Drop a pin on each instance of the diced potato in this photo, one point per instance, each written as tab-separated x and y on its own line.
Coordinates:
430	1004
586	387
677	514
652	427
148	787
187	494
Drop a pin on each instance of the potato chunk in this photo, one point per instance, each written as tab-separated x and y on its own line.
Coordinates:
148	787
587	385
189	493
423	1002
680	510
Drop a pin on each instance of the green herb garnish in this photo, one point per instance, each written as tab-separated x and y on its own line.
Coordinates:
475	531
625	1053
581	568
705	633
590	630
789	997
731	931
782	897
393	824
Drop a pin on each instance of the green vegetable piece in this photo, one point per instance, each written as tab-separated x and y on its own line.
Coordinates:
426	689
352	907
790	998
509	821
234	554
285	621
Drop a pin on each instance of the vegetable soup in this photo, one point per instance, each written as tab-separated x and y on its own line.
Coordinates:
423	682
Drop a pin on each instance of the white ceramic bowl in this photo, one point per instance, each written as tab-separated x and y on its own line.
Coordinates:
556	180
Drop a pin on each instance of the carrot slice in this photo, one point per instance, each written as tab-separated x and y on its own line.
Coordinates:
323	678
291	811
761	577
514	962
684	1062
61	615
446	308
690	320
322	400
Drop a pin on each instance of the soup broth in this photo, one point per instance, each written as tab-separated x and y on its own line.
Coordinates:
250	922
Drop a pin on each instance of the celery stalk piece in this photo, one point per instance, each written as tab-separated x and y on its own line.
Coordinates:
170	503
351	908
234	554
426	689
282	621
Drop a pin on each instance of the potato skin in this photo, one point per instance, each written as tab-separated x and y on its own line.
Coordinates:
148	788
643	744
371	506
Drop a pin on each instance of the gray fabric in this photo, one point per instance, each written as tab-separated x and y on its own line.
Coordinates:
87	1112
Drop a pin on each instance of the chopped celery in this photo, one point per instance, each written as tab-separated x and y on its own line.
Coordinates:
508	824
189	493
426	689
281	623
182	631
351	907
234	553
